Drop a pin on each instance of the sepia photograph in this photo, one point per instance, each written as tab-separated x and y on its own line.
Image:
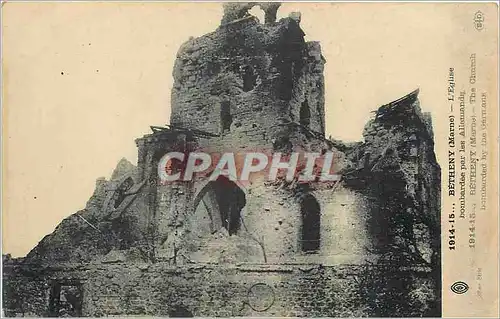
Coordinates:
249	159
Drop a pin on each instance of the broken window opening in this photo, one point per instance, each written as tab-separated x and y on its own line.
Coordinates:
225	116
65	300
223	200
311	222
231	200
414	146
249	78
305	113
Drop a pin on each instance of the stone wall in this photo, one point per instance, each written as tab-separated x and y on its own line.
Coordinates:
398	161
214	290
272	225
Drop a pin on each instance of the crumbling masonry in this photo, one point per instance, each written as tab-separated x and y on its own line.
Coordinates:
368	245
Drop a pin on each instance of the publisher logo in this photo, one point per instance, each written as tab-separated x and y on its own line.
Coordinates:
479	20
459	287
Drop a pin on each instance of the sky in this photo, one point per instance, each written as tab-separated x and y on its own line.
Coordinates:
83	80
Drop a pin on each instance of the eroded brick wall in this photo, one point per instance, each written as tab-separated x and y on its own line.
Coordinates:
211	290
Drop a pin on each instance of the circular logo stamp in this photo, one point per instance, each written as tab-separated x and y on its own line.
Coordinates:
459	287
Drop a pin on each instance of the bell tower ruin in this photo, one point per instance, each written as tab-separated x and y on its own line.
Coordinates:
249	86
245	79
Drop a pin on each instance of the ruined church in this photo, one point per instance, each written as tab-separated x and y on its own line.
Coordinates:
366	245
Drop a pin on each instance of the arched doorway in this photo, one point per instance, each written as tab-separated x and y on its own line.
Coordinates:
311	224
223	201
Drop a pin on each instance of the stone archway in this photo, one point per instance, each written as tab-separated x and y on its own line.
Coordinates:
223	200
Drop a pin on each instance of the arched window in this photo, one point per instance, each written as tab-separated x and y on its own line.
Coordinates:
311	222
223	200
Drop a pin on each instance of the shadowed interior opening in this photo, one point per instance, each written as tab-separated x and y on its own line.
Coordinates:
311	222
225	116
223	200
179	312
305	113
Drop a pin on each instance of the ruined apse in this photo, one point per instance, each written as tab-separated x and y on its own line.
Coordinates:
367	245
